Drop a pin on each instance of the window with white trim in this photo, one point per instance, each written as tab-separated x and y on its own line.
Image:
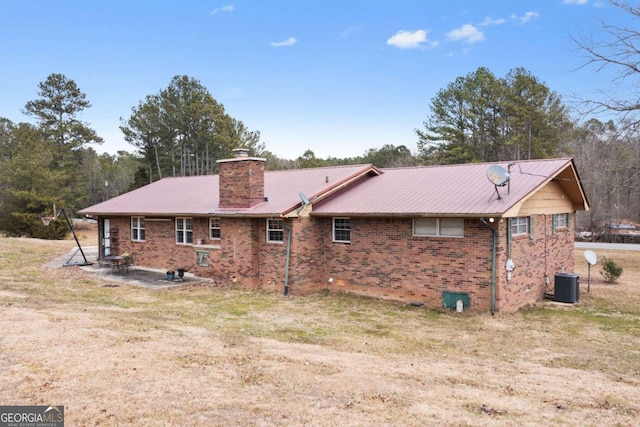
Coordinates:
137	228
184	231
275	231
519	225
441	227
342	230
214	228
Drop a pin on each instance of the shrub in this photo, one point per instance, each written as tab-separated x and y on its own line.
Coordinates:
610	270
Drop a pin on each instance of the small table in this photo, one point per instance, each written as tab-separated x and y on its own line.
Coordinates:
118	262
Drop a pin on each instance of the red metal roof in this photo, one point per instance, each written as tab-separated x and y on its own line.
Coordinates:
461	190
198	195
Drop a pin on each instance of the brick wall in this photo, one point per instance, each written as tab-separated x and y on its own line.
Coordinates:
535	260
383	259
272	257
305	262
232	259
238	256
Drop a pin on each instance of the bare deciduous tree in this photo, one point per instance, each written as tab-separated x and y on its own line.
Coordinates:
617	50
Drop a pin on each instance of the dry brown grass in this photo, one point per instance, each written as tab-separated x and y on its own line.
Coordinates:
215	355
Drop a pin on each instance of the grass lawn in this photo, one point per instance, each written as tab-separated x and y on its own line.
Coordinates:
217	355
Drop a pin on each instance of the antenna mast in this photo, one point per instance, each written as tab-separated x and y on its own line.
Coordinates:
509	174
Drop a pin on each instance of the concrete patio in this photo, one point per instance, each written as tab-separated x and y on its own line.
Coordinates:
137	276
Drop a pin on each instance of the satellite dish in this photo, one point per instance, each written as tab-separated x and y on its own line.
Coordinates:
591	257
497	175
305	200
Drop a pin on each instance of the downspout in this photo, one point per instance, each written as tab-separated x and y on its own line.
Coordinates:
493	265
286	263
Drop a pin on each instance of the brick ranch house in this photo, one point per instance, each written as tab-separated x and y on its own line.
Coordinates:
418	234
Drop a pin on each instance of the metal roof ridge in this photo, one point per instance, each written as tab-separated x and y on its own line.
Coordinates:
175	178
331	189
478	163
320	168
345	182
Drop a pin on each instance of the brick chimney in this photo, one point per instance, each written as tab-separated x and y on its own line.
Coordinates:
241	180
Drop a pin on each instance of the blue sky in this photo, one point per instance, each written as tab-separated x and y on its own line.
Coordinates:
334	76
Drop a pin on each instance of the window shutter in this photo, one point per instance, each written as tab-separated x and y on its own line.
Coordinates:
554	223
531	227
569	221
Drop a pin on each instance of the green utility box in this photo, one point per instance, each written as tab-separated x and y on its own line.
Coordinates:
450	299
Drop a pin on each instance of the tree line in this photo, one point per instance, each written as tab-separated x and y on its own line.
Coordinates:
182	130
49	162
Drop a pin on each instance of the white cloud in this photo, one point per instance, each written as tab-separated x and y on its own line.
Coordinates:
490	21
352	29
410	39
228	8
467	33
288	42
526	17
578	2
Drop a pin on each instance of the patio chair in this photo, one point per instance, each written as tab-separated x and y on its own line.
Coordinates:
130	263
103	267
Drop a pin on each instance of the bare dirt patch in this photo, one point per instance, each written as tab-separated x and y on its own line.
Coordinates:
216	355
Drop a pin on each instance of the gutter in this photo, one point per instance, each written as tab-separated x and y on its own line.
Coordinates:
286	263
493	264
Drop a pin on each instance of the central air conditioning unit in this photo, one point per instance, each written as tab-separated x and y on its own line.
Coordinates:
566	288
